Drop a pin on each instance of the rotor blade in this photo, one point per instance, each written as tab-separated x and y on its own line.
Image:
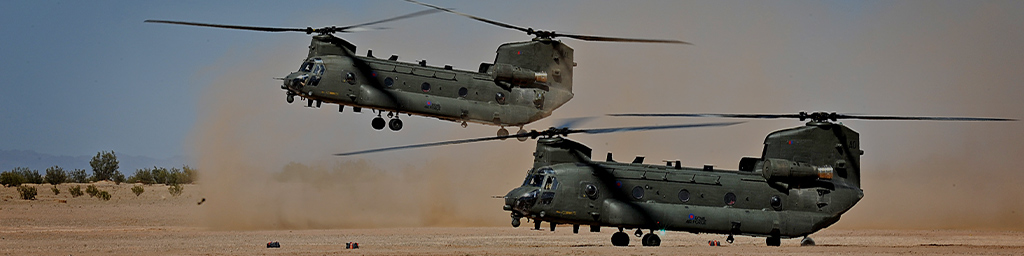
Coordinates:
533	134
496	23
650	128
415	14
766	116
432	144
619	39
573	122
264	29
921	118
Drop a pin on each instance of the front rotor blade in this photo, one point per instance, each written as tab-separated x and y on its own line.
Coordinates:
264	29
415	14
496	23
618	39
432	144
763	116
921	118
651	128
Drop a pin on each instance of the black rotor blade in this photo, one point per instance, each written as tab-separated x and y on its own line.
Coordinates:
618	39
496	23
820	115
534	134
415	14
921	118
263	29
551	34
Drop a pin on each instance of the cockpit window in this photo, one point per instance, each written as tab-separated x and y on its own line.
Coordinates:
315	66
306	67
551	183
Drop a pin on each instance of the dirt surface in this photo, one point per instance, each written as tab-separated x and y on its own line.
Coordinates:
156	223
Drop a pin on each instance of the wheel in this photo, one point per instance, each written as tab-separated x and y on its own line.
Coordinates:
650	239
521	132
730	239
773	241
515	223
502	132
395	124
291	98
620	239
464	124
638	233
377	123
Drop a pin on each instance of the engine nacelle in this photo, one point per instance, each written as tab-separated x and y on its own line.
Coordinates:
781	169
517	75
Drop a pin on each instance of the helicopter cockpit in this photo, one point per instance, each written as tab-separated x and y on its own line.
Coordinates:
315	69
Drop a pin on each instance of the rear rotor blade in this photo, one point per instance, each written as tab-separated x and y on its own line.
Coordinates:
818	116
921	118
496	23
763	116
619	39
415	14
534	134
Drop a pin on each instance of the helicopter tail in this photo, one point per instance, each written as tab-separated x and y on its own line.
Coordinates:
542	66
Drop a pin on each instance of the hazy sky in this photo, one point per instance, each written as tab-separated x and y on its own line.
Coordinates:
80	77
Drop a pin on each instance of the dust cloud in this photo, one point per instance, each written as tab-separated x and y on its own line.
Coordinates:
883	58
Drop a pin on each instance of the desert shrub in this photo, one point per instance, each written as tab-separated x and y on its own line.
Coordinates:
160	175
79	176
144	176
55	175
76	191
31	176
175	189
137	189
55	190
11	179
103	195
104	165
188	175
118	178
27	192
91	190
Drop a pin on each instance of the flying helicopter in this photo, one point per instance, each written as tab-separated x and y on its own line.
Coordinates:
804	180
526	81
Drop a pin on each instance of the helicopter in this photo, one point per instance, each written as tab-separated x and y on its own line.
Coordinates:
526	81
804	180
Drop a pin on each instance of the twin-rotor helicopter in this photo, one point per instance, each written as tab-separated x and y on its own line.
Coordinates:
526	82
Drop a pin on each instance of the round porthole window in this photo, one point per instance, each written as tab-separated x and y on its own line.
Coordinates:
350	78
776	203
500	98
684	196
638	192
730	198
388	81
425	87
463	92
590	190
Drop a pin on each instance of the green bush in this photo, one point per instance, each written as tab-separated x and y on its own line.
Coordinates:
118	178
31	176
137	189
76	191
55	175
103	195
104	165
27	192
79	176
11	179
55	190
144	176
91	190
188	175
175	189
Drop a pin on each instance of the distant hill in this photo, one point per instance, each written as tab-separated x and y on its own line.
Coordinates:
9	159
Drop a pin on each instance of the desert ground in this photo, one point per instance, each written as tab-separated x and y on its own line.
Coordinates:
156	223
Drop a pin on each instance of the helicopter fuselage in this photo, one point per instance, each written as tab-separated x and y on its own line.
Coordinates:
503	94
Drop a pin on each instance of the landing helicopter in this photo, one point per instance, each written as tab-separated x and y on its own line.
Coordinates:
804	180
526	82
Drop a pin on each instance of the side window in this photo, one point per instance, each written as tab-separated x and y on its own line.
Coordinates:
551	183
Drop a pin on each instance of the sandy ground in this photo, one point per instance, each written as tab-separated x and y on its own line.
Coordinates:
157	223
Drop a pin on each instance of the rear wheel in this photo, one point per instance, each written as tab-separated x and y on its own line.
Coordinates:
773	241
620	239
377	123
395	124
651	239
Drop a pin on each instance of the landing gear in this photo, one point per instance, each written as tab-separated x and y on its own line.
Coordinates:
638	233
807	241
515	222
521	132
730	239
317	103
291	98
395	124
620	239
464	124
536	225
309	103
502	132
377	123
651	239
773	241
552	226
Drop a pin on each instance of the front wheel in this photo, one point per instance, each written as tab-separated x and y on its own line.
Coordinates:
620	239
291	98
377	123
